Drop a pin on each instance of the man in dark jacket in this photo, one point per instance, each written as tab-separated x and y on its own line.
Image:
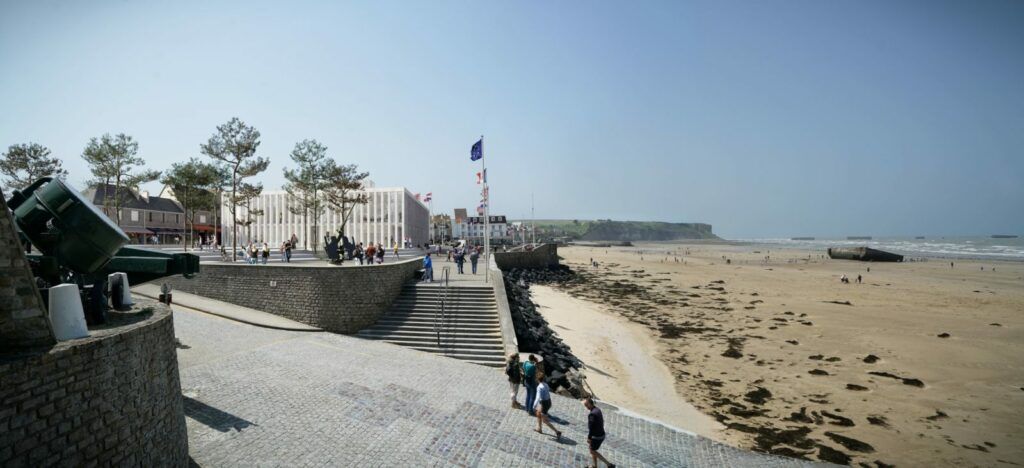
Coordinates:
595	432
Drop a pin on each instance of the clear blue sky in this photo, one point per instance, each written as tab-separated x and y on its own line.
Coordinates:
763	118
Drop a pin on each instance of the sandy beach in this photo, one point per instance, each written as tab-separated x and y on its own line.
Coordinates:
919	365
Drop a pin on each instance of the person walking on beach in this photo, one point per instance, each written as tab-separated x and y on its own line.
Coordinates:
473	258
542	405
858	279
515	377
595	432
530	380
266	253
428	269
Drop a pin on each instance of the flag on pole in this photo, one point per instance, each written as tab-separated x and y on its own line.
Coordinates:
429	196
417	197
477	151
481	177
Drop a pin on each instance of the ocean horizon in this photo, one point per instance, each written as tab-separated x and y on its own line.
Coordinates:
965	247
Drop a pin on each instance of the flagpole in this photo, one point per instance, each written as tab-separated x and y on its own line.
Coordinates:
487	217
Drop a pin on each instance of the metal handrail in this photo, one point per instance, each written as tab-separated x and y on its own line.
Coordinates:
441	314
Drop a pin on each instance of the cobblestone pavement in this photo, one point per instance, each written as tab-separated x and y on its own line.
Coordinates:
263	397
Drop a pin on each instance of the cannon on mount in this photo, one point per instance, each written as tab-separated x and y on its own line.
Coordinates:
77	244
336	253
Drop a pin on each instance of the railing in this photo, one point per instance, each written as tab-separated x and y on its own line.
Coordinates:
440	317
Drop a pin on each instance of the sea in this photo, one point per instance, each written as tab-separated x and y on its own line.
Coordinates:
968	247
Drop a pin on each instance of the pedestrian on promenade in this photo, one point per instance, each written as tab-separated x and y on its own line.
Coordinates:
370	252
288	246
428	269
396	249
542	405
473	258
253	253
460	260
380	253
595	432
358	253
530	380
515	377
449	255
266	253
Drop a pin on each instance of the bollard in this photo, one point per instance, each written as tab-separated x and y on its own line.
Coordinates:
67	317
120	291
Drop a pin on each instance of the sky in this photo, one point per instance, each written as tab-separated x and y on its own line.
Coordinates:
762	118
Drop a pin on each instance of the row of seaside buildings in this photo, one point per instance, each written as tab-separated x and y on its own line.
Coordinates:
391	215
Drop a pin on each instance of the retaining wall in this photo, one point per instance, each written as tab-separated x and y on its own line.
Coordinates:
113	398
334	298
541	257
23	320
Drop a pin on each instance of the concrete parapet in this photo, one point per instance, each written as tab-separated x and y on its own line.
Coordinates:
333	298
113	398
541	257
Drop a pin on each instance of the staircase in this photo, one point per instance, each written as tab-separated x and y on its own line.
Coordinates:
459	321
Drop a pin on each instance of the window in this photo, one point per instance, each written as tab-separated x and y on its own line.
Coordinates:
163	217
176	219
149	215
202	218
135	215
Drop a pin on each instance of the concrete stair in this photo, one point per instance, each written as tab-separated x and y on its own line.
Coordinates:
467	329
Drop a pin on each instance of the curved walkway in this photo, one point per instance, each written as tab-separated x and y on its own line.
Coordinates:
258	396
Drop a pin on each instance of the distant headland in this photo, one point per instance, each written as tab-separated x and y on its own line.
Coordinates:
609	230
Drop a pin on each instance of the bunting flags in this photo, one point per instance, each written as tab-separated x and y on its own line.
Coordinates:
477	151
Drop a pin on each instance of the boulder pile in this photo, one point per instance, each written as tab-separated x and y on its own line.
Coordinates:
535	335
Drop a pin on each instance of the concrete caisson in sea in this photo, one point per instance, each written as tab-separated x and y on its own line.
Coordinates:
865	254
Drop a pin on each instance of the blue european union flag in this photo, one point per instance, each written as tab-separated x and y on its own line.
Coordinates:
477	151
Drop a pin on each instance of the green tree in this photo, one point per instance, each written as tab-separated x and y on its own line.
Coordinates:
114	160
247	194
192	183
234	144
23	163
344	190
306	184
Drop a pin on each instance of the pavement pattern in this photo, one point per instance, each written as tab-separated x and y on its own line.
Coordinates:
264	397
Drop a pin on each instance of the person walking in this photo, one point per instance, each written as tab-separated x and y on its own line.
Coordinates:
266	253
428	269
460	260
542	405
358	253
595	432
449	259
380	253
530	381
371	251
396	249
515	377
288	246
474	256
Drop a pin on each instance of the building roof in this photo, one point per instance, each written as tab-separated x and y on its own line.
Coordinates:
133	200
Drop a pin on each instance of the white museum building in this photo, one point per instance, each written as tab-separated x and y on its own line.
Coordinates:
390	215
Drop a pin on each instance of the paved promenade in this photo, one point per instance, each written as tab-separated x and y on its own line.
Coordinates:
264	397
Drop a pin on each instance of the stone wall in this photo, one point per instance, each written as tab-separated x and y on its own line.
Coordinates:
334	298
544	256
113	398
23	321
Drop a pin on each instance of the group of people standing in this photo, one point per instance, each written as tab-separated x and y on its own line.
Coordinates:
530	374
254	252
372	253
459	254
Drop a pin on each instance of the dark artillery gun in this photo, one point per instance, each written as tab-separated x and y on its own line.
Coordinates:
337	254
77	244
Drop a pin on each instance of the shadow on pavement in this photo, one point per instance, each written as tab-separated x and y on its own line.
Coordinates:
213	417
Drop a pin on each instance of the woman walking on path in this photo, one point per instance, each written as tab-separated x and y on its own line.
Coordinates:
530	380
595	432
515	377
542	405
473	257
266	253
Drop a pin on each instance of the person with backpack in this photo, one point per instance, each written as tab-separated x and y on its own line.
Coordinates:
515	377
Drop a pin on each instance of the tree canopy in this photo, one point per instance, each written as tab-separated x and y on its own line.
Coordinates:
24	163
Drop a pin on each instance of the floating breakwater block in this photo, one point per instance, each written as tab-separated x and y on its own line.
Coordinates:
67	317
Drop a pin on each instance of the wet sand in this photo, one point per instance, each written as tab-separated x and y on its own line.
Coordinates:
918	366
621	358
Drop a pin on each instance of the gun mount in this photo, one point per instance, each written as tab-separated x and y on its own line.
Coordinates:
79	245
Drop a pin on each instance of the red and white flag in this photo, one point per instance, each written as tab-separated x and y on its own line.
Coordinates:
417	197
481	177
428	197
